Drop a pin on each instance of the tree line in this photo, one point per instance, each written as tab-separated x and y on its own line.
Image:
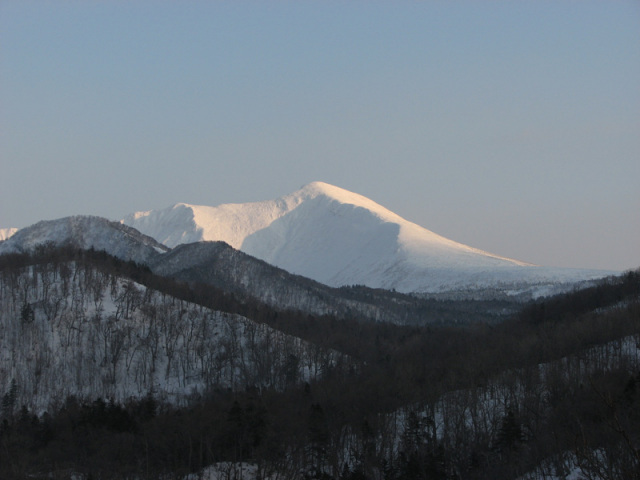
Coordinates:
555	386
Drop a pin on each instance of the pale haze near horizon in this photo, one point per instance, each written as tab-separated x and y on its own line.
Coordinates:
513	127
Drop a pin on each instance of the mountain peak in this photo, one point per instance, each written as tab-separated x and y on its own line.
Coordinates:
326	233
343	196
322	188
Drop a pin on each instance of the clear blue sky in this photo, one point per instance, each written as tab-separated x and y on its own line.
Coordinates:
509	126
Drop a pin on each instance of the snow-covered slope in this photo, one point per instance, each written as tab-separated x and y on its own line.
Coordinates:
77	329
5	233
86	232
341	238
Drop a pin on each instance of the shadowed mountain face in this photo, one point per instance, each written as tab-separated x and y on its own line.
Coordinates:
220	265
337	237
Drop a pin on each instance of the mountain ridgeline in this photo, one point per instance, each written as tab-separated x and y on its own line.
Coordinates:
324	233
246	277
202	341
86	232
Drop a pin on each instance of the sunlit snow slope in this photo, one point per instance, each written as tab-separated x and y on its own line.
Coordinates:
341	238
7	232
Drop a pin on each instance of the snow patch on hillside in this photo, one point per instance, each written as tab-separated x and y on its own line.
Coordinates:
6	233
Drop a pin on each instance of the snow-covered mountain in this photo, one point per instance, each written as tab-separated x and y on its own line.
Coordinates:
86	232
341	238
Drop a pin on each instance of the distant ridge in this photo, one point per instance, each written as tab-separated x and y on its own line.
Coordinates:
338	237
86	232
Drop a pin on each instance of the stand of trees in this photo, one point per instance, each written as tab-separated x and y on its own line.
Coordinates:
557	385
76	328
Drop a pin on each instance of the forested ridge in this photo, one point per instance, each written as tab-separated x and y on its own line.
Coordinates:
556	383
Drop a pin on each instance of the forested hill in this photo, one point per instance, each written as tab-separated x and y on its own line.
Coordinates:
217	276
223	267
84	324
198	377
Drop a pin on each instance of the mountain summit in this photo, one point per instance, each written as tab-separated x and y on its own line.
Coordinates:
338	237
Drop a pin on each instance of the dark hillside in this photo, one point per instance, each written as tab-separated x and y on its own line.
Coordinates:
557	383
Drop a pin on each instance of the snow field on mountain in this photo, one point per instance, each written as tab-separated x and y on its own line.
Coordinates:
341	238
